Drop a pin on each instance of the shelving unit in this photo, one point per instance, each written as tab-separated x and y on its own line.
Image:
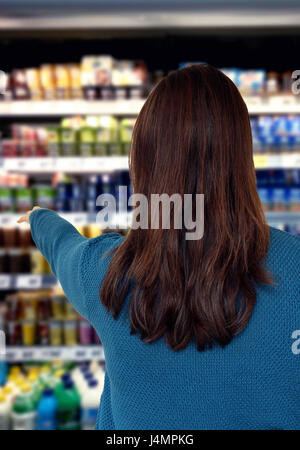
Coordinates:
65	164
111	163
40	353
77	219
279	104
58	108
26	281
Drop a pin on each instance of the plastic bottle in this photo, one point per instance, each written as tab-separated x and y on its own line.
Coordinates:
46	411
68	407
90	405
4	413
23	410
9	393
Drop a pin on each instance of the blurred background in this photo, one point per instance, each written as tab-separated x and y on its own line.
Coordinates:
74	75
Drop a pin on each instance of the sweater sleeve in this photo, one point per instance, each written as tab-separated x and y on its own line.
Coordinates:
63	247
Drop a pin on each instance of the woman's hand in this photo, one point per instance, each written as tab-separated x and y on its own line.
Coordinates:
26	217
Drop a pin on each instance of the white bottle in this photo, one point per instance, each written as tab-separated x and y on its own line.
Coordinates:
89	405
4	413
99	376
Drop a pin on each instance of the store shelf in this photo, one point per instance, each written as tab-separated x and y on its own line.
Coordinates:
277	104
280	104
77	219
111	163
285	217
70	107
65	164
26	281
38	353
280	161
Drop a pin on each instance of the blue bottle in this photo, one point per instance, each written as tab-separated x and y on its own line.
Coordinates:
46	412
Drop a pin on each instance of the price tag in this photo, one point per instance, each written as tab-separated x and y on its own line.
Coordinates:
5	282
29	282
254	100
80	354
28	354
10	355
7	219
260	161
79	219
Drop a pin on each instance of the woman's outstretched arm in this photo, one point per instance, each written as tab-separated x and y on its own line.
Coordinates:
63	247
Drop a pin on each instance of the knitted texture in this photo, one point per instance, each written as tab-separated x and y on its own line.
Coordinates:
252	383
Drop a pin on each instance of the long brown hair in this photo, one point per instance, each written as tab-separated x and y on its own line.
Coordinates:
193	136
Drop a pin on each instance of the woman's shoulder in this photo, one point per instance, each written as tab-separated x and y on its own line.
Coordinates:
284	252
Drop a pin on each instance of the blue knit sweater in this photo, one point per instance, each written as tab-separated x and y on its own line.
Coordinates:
253	383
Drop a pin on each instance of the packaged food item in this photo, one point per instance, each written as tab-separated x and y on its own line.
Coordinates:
126	130
24	237
68	141
107	136
70	313
62	81
272	83
14	332
9	236
6	199
90	405
14	307
47	410
29	305
23	410
43	332
68	407
54	141
23	199
57	303
103	66
28	331
43	308
25	265
92	231
88	78
55	332
15	260
70	332
34	83
75	81
44	196
47	77
86	138
287	81
5	409
10	148
85	332
19	85
251	82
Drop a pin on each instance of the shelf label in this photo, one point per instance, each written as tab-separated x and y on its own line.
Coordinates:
260	161
5	281
28	281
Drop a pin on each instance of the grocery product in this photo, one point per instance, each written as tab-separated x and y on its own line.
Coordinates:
23	410
46	411
4	413
68	407
89	405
